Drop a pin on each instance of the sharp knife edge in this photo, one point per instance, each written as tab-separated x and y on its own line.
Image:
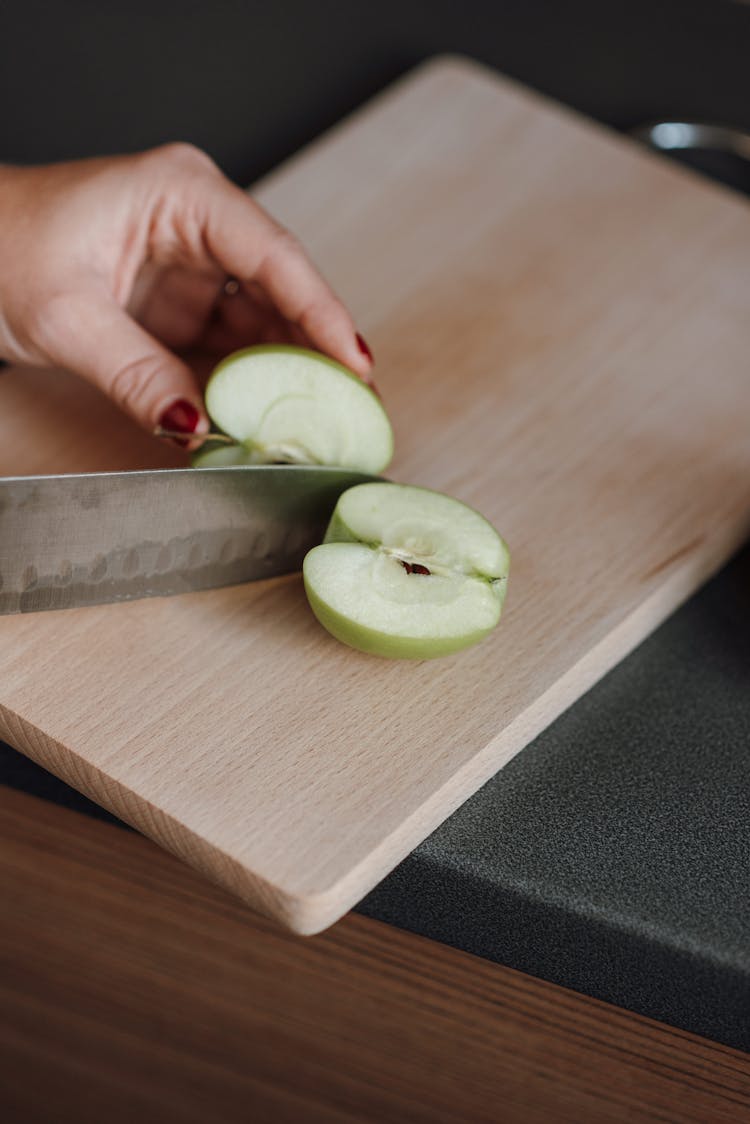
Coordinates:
86	539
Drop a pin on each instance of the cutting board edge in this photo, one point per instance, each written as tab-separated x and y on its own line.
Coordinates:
160	827
310	911
466	66
689	573
442	64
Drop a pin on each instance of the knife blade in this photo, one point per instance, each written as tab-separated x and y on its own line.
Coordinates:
85	539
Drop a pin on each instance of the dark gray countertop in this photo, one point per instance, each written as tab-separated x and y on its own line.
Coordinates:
613	854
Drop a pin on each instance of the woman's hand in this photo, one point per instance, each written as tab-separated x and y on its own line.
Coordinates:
110	266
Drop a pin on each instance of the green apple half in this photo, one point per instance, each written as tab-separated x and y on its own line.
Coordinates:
284	404
407	572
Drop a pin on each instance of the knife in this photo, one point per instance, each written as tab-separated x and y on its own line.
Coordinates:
86	539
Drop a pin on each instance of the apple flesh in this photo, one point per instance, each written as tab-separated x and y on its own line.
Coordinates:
407	572
288	405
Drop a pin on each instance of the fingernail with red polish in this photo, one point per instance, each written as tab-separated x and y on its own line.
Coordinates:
181	415
362	344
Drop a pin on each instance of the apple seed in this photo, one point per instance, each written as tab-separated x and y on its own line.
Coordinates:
414	567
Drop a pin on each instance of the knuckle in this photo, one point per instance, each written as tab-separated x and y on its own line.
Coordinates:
131	383
52	319
287	242
183	155
312	317
283	252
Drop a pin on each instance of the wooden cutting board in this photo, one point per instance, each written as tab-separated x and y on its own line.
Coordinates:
561	326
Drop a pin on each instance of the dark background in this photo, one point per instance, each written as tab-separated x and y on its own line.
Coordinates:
251	82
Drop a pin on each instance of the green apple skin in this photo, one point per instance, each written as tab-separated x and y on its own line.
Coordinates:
364	460
383	644
220	456
483	563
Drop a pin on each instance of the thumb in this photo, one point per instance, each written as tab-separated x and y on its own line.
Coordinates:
94	337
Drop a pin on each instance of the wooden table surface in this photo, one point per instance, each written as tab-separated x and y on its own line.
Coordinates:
132	988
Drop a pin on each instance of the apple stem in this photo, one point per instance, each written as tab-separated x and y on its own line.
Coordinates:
160	431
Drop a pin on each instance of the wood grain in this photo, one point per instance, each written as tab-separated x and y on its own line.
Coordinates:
561	326
132	989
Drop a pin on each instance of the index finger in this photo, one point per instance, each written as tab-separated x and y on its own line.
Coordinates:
252	246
